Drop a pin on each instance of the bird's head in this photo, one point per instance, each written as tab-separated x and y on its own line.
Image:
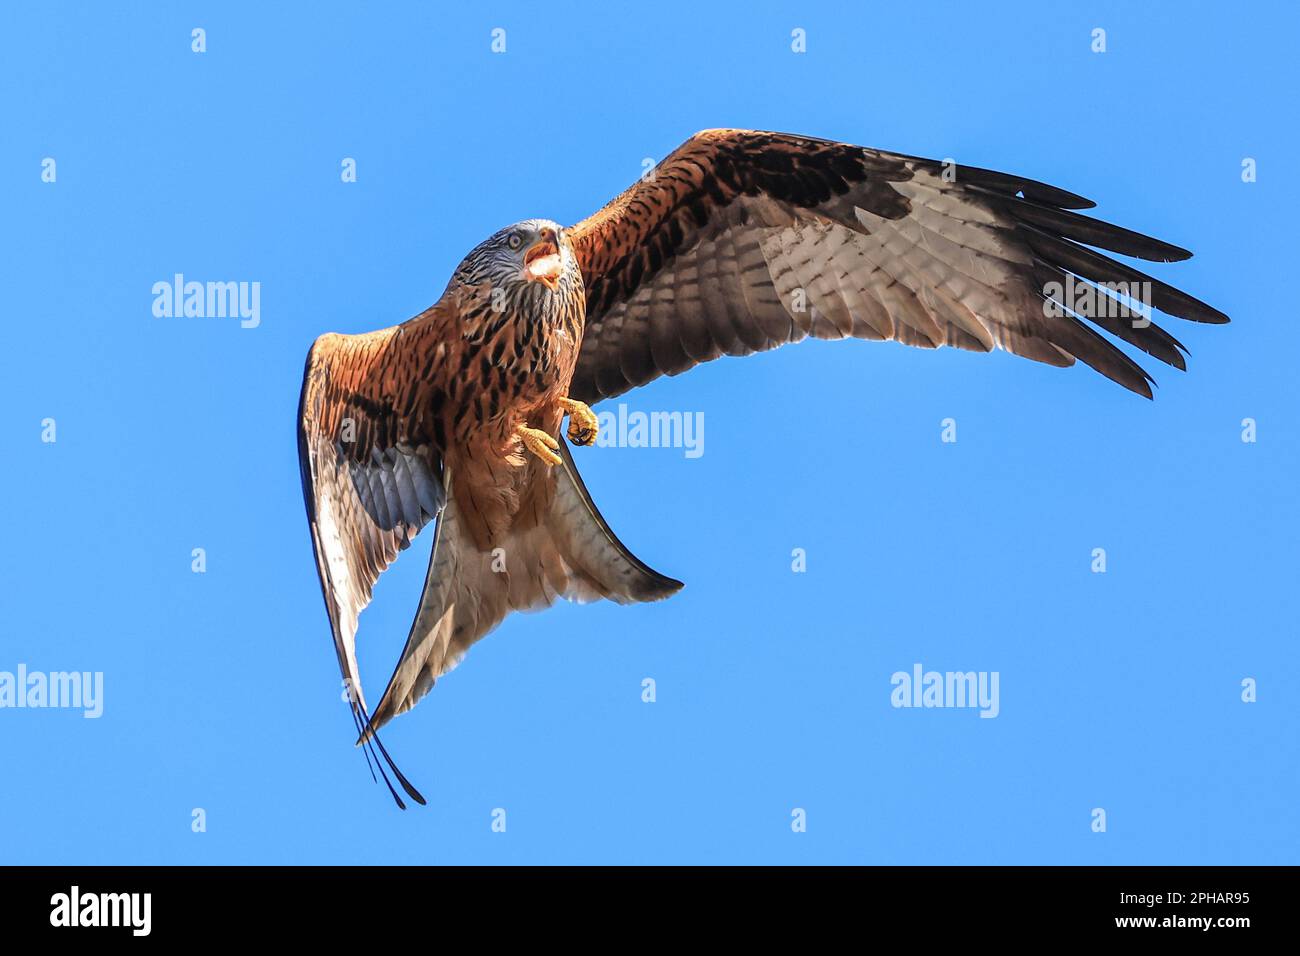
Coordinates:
533	254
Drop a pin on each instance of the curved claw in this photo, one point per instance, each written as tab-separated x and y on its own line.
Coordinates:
540	444
583	424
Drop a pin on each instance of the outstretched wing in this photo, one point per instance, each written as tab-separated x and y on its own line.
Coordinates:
741	241
371	476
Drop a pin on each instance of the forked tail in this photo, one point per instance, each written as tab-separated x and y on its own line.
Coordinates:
569	552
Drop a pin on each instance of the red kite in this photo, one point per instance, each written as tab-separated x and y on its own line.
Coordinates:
738	242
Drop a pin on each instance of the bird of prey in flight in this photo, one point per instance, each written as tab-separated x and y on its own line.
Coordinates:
738	242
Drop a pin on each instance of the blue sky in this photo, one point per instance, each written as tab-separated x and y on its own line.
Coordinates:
1119	691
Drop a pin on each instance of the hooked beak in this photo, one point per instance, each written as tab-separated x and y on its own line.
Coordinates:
542	262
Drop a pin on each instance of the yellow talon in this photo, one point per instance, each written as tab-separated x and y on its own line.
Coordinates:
540	444
583	425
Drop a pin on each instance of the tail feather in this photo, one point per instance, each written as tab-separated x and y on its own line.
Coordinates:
569	553
591	546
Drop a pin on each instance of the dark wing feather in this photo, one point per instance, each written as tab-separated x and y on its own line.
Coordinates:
741	241
371	478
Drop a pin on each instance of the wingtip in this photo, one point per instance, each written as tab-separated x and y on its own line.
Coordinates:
371	744
1060	197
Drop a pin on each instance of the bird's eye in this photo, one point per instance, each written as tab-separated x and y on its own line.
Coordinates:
515	240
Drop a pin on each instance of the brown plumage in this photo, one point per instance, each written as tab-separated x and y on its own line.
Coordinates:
738	242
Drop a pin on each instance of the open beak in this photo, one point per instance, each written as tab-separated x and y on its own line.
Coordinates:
542	261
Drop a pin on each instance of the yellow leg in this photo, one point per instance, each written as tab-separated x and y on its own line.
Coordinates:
540	444
583	425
